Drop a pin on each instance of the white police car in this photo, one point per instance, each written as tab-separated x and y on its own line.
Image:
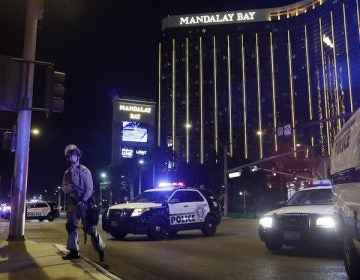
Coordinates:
38	210
42	210
161	212
306	218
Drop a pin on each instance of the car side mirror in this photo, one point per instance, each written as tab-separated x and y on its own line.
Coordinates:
281	203
173	201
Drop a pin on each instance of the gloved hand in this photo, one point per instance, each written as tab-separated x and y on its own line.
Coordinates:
67	188
81	203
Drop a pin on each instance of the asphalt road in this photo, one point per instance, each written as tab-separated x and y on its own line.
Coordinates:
234	253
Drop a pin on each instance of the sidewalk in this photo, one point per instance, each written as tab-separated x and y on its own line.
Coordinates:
32	260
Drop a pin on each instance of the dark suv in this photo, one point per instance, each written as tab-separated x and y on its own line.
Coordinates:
161	212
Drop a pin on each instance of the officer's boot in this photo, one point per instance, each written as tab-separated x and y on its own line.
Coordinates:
97	243
72	255
102	256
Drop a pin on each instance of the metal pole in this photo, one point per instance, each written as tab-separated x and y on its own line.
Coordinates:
59	198
244	202
64	205
153	176
110	197
17	220
139	180
325	164
101	198
225	182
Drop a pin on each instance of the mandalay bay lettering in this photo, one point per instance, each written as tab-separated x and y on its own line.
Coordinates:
134	108
217	18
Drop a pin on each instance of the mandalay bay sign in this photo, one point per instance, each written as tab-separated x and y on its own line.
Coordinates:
215	18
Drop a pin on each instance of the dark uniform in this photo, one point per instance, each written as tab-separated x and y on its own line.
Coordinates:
78	183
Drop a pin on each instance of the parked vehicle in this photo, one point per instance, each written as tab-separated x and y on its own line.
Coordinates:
39	210
345	173
161	212
306	219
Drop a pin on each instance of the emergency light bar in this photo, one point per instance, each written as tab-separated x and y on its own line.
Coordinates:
166	184
325	182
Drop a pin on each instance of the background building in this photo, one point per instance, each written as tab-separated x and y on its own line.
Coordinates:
260	82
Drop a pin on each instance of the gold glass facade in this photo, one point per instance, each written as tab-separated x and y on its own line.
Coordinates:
259	87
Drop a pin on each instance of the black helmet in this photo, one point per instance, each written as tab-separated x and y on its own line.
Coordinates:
72	149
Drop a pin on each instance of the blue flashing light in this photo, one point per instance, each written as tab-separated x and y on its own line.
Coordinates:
324	182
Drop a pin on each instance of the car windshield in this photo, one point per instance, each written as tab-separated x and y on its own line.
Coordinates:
154	196
311	197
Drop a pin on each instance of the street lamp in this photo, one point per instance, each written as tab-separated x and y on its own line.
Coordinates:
244	205
35	131
103	183
224	147
58	191
141	163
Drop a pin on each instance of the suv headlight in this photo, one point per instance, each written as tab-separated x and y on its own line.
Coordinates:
138	211
325	222
266	222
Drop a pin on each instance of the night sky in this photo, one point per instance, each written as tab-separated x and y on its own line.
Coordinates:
107	48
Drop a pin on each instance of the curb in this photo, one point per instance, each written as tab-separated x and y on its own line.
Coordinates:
101	272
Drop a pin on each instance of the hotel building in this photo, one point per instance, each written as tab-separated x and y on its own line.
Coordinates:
257	80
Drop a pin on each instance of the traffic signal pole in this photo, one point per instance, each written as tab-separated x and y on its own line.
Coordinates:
34	12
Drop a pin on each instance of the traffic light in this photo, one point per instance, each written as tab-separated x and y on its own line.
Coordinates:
254	168
11	74
54	91
9	140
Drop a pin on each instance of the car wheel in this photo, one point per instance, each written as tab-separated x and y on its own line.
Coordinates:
209	227
50	217
157	229
172	233
273	246
351	258
118	235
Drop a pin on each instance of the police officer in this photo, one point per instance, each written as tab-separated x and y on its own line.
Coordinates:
78	183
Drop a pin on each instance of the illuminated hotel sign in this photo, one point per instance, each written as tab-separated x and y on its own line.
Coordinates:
133	108
135	111
133	129
216	18
129	152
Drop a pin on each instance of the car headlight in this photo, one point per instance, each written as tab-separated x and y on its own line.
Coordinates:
266	222
326	222
139	211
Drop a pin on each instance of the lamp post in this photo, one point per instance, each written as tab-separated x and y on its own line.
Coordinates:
226	192
103	177
141	163
59	196
224	147
244	205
